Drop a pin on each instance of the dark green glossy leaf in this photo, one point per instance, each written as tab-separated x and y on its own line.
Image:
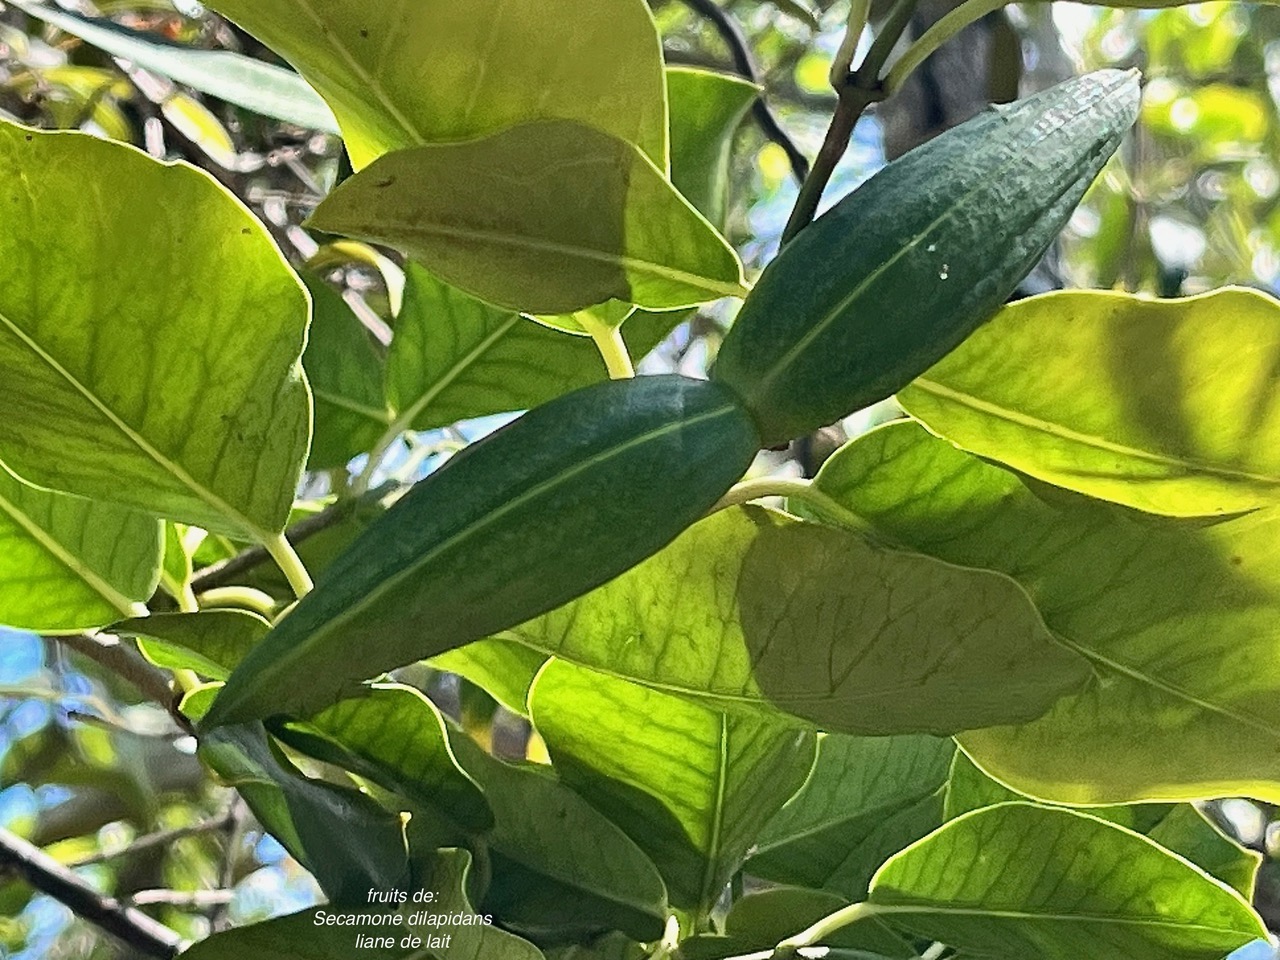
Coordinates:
706	110
343	837
438	71
183	398
454	358
210	642
1019	880
595	874
1177	617
1170	406
872	641
1178	827
546	218
235	78
691	785
69	564
570	495
866	799
898	273
395	736
345	368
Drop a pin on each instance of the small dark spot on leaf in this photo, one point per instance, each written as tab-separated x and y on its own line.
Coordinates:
29	138
1237	561
364	34
384	182
246	230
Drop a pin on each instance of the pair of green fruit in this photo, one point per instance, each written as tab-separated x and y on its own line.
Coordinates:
579	490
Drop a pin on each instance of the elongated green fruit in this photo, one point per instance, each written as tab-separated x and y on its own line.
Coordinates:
560	501
897	274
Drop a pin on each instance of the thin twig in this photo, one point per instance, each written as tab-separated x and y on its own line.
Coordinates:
227	571
856	92
49	876
744	62
125	662
161	838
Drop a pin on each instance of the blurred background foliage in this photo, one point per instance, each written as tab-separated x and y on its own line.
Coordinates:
108	785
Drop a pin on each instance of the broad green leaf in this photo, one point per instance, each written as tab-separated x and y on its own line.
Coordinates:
562	860
196	702
874	641
1169	406
546	218
438	71
1177	617
454	358
299	937
343	837
159	370
176	570
210	642
547	508
866	799
244	81
450	874
898	273
1187	832
706	110
770	916
68	564
691	785
344	366
502	668
396	737
1178	827
1018	880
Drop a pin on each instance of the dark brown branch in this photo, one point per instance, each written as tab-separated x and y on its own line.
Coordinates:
125	662
856	92
49	876
744	62
226	572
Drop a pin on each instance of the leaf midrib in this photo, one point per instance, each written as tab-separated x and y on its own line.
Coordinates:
542	245
1170	689
51	546
176	471
370	82
1018	418
1007	914
351	406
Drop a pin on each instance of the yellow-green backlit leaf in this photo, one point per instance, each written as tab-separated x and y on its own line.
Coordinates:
546	218
1169	406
